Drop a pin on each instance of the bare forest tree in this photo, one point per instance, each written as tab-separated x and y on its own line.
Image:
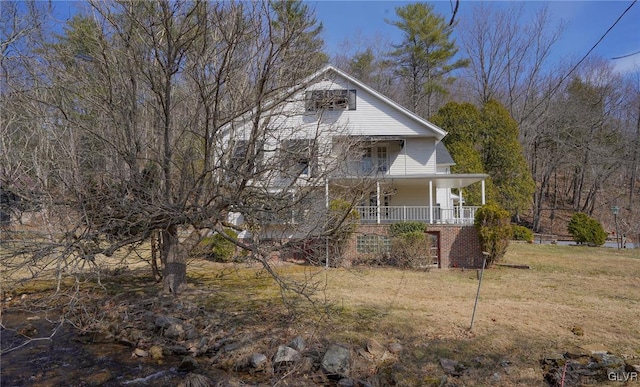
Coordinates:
143	121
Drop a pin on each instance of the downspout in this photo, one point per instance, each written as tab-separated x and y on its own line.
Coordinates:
483	198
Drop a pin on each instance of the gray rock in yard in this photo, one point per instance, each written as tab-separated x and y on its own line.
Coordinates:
451	367
336	360
395	348
298	344
165	322
174	332
258	361
286	355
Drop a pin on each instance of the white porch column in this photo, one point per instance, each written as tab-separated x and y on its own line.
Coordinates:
483	199
430	201
460	214
378	202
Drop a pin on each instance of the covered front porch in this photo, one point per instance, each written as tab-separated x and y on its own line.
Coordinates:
424	198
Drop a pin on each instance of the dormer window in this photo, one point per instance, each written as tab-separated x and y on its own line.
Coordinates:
338	99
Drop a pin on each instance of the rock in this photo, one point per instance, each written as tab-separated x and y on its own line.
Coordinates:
155	352
495	378
608	360
345	382
286	355
298	344
164	322
451	367
336	360
395	348
375	348
258	361
188	364
139	352
174	332
576	353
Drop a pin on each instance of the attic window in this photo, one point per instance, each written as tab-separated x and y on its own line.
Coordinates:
340	99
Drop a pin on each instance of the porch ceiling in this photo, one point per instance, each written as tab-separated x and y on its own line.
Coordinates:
439	180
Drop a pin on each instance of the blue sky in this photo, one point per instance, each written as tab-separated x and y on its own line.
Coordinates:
585	22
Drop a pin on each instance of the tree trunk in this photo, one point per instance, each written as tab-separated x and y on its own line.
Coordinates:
175	265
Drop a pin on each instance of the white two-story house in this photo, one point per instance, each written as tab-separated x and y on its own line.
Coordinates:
352	136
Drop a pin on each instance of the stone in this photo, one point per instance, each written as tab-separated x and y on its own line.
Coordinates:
258	361
176	349
298	344
174	332
395	348
155	352
345	382
165	322
188	364
375	348
286	355
335	361
139	352
609	360
451	367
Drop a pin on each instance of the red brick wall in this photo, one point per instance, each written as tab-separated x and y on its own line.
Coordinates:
459	245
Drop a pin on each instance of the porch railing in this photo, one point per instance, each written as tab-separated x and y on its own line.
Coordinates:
394	214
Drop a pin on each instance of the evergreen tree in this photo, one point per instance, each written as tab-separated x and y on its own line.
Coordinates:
463	121
503	158
424	57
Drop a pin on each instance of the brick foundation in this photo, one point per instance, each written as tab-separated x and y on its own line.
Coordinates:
459	245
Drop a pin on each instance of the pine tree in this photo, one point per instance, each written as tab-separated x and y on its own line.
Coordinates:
424	57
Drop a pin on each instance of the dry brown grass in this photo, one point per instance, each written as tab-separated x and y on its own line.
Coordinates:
522	314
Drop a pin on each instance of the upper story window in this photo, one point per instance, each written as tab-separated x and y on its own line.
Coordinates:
299	157
338	99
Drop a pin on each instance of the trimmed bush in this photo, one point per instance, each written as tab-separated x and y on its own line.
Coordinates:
397	229
587	230
521	233
494	229
409	245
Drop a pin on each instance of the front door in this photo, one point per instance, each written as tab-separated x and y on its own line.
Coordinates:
434	247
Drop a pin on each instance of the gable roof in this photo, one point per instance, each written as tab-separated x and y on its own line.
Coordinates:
438	132
443	157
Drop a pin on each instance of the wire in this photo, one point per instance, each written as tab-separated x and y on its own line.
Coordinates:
581	60
626	56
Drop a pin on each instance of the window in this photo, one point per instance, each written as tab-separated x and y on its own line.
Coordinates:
382	160
374	159
340	99
240	157
373	244
299	157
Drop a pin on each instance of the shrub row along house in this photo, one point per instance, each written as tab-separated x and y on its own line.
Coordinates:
339	140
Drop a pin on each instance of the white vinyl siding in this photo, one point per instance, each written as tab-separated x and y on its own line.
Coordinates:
415	157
